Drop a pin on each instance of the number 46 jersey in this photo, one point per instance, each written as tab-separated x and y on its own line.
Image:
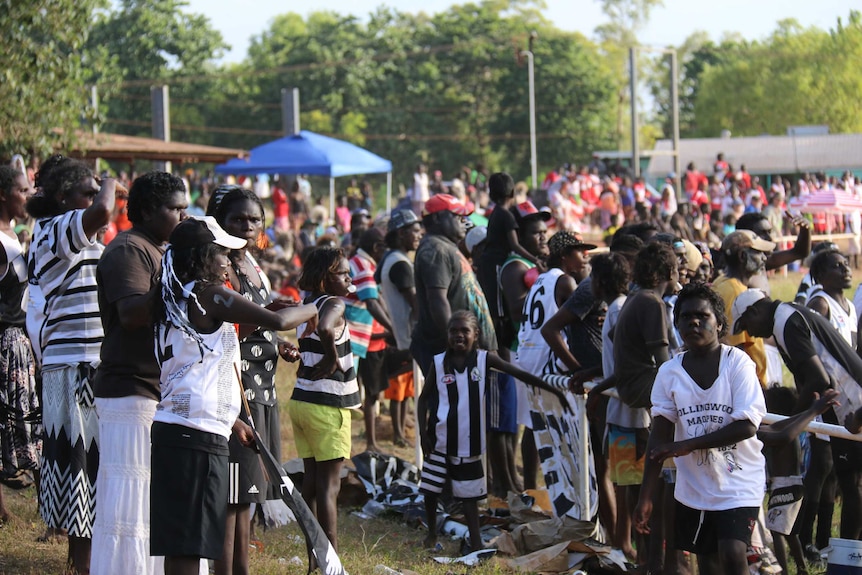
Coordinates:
534	355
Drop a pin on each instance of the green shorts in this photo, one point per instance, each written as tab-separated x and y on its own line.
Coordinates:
321	432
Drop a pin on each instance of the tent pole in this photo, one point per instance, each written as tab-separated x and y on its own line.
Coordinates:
388	192
331	200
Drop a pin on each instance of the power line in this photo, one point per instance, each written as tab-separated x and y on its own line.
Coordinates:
425	50
433	109
382	137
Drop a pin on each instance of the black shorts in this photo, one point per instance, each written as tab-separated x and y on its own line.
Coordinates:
700	531
247	482
188	492
372	373
846	454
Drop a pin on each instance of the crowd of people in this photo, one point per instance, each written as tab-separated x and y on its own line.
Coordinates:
141	325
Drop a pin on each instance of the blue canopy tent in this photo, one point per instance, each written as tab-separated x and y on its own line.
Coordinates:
310	153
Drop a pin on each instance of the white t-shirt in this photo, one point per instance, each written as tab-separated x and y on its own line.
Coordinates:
719	478
618	412
421	191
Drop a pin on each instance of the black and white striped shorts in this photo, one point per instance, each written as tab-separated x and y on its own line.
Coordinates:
467	475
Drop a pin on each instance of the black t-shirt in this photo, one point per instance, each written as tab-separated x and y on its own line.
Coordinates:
130	266
439	264
585	337
500	224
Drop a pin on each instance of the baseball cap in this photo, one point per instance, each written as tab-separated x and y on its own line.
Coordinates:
446	203
202	230
401	219
475	237
563	242
692	255
742	239
528	210
741	304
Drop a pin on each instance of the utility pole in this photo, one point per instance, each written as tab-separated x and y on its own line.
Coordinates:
161	115
531	80
290	111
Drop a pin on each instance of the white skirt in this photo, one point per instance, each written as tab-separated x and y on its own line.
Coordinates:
121	532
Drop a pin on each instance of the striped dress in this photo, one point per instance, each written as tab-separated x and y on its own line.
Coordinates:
64	267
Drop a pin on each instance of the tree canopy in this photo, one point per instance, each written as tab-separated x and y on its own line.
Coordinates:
45	73
447	89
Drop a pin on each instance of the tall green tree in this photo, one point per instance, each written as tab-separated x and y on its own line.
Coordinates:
153	42
796	76
446	89
44	73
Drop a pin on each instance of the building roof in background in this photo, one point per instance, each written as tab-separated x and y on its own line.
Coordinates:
129	148
764	154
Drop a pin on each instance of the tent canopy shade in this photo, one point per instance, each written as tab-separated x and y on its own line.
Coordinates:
308	153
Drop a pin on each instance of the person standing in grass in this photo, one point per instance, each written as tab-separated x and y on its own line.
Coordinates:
19	443
240	213
706	406
127	381
198	353
451	423
71	207
326	387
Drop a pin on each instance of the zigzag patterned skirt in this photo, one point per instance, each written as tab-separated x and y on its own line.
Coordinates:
70	451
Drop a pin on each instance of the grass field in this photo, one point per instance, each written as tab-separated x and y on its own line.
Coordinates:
364	543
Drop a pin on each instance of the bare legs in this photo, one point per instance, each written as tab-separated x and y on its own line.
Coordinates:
398	411
530	457
501	459
79	555
234	558
320	487
370	423
182	565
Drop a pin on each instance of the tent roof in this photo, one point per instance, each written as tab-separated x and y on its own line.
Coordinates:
308	153
765	154
120	147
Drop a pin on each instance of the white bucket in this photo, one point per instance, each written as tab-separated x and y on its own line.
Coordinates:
845	557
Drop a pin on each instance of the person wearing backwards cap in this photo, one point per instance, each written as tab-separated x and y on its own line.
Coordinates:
445	282
397	286
744	259
198	354
819	358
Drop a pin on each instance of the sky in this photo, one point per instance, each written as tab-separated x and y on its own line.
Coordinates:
668	25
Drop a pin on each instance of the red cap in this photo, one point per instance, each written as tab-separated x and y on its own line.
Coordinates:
527	209
446	203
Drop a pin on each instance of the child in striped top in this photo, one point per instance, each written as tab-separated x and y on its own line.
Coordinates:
326	388
451	421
